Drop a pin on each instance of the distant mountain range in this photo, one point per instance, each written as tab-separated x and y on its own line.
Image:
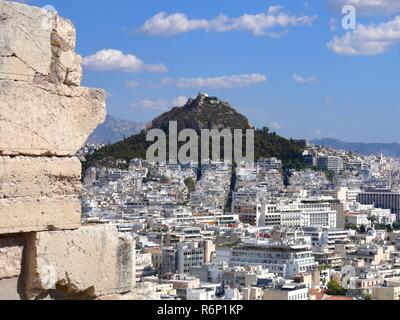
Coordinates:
114	130
387	149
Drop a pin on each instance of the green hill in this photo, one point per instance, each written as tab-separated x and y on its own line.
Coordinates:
202	113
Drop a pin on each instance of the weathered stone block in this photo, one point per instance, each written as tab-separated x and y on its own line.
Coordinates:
9	289
93	260
64	35
28	214
39	177
72	64
47	119
37	44
11	251
12	68
26	34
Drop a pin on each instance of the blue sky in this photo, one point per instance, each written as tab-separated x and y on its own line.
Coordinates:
279	65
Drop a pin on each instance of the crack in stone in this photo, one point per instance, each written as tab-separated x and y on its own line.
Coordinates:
24	62
28	128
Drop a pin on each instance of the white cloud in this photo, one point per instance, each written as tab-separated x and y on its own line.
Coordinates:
171	24
329	100
132	84
275	125
303	80
274	9
164	24
221	82
368	7
110	59
368	39
160	104
149	104
180	101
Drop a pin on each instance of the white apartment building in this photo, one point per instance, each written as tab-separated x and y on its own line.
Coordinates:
200	294
358	219
318	214
383	216
299	214
270	164
326	237
282	259
284	292
289	214
143	265
348	195
220	220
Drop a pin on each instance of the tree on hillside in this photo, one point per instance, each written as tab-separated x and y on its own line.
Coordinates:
190	184
396	226
368	296
335	289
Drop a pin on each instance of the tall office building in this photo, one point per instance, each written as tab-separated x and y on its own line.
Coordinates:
330	163
384	199
180	258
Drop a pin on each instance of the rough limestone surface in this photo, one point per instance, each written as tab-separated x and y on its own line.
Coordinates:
39	193
64	35
11	250
14	69
47	120
35	42
35	177
26	34
94	260
66	65
43	109
9	289
40	214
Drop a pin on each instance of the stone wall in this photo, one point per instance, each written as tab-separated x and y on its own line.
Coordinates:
45	118
95	261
